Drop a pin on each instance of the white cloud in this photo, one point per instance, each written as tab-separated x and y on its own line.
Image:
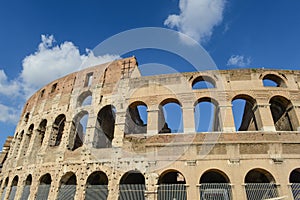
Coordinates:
8	114
239	60
197	18
8	88
51	61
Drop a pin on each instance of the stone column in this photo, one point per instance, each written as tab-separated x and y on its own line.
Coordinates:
151	187
152	124
296	119
226	119
119	129
264	118
90	131
188	119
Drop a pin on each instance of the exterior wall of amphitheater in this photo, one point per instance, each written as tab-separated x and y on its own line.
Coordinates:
48	139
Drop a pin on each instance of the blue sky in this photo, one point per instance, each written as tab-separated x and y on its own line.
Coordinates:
236	33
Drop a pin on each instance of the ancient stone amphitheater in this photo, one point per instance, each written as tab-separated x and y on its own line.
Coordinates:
105	133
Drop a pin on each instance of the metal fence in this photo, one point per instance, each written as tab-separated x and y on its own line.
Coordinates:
25	193
295	187
96	192
132	192
43	192
12	193
261	191
172	192
3	193
215	191
66	192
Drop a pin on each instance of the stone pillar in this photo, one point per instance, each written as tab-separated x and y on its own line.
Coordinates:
90	131
152	124
119	129
46	139
53	193
188	119
264	118
296	119
226	119
151	187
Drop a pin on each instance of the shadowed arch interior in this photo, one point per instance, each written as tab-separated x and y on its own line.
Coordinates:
214	176
136	118
259	176
133	177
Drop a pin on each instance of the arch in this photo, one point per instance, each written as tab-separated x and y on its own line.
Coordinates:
170	116
18	144
203	82
132	186
84	98
27	139
206	115
273	80
245	113
4	187
26	117
57	130
78	130
44	186
294	180
172	185
260	184
13	189
105	127
96	186
283	113
41	132
215	184
26	189
67	188
136	118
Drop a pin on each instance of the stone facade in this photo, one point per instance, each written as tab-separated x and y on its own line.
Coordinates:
83	135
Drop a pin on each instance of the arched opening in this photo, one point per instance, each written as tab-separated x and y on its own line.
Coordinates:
26	117
26	189
260	184
206	115
170	117
67	187
136	118
272	80
57	130
171	185
44	187
18	144
84	99
283	113
132	186
105	127
203	82
245	113
27	139
78	130
295	183
13	189
4	188
96	186
214	184
41	132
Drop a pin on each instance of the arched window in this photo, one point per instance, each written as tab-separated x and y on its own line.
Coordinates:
295	183
132	186
171	185
245	113
282	112
272	80
78	130
57	130
214	184
13	189
17	146
96	186
170	117
26	189
44	187
27	139
67	187
84	99
260	184
41	132
203	82
105	127
136	118
206	115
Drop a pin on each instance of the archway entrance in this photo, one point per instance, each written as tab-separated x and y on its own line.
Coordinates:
132	186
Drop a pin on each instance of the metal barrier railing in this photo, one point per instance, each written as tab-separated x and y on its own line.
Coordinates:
43	192
3	193
261	191
295	187
215	191
25	193
66	192
172	192
12	193
132	191
96	192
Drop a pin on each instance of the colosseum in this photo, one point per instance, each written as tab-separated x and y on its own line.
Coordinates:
105	133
